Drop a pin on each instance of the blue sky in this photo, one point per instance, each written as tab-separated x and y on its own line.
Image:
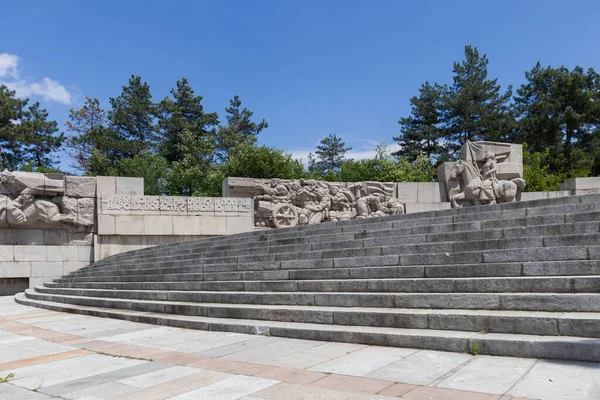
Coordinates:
310	68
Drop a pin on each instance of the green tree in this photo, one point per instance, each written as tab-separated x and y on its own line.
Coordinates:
189	175
11	111
90	142
385	168
39	138
131	119
152	167
421	132
183	113
250	161
239	129
473	106
559	109
329	157
537	174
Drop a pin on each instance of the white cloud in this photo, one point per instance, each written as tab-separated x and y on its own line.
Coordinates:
48	89
8	65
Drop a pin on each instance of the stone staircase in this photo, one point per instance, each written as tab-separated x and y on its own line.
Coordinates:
517	279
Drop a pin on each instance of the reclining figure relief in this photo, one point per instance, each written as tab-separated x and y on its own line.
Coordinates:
27	198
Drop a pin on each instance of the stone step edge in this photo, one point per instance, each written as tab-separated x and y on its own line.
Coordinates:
480	210
362	310
565	348
133	263
525	301
493	253
522	265
528	322
465	278
262	243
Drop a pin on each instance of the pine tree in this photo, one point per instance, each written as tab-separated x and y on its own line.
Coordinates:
559	110
11	111
473	106
329	157
39	138
90	138
131	118
184	113
239	129
421	131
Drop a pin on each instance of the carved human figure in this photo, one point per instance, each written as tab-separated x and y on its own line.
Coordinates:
488	178
394	206
25	207
275	191
315	212
340	200
371	204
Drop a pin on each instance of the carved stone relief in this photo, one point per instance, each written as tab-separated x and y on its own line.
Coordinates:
475	178
306	202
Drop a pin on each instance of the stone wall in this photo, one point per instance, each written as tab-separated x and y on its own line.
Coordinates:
578	186
128	222
95	217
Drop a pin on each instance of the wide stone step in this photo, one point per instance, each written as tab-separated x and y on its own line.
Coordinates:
571	302
485	239
442	254
540	215
571	348
501	226
555	284
523	322
549	268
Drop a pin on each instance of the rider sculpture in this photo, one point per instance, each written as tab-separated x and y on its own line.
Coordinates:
481	186
488	179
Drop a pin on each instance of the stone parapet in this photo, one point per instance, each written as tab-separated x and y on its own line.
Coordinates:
577	186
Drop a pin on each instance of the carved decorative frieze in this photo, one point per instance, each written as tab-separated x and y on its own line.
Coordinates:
173	205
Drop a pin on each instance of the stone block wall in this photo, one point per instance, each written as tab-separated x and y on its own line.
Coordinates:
578	186
129	222
42	263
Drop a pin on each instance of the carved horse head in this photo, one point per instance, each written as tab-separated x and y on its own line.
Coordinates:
466	171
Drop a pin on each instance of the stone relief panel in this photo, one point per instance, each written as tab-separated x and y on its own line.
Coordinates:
487	173
173	205
32	200
280	203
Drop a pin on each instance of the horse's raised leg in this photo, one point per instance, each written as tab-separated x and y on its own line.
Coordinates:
460	196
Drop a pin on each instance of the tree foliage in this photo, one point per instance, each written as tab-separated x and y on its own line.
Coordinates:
181	116
329	156
89	138
131	119
444	117
28	139
11	110
251	161
239	129
559	110
385	168
422	131
474	107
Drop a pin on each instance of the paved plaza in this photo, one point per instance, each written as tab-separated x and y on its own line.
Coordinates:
67	356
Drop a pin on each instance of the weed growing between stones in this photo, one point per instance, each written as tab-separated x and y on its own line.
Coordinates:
128	357
474	350
6	378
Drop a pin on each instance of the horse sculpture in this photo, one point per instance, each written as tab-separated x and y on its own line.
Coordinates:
504	191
